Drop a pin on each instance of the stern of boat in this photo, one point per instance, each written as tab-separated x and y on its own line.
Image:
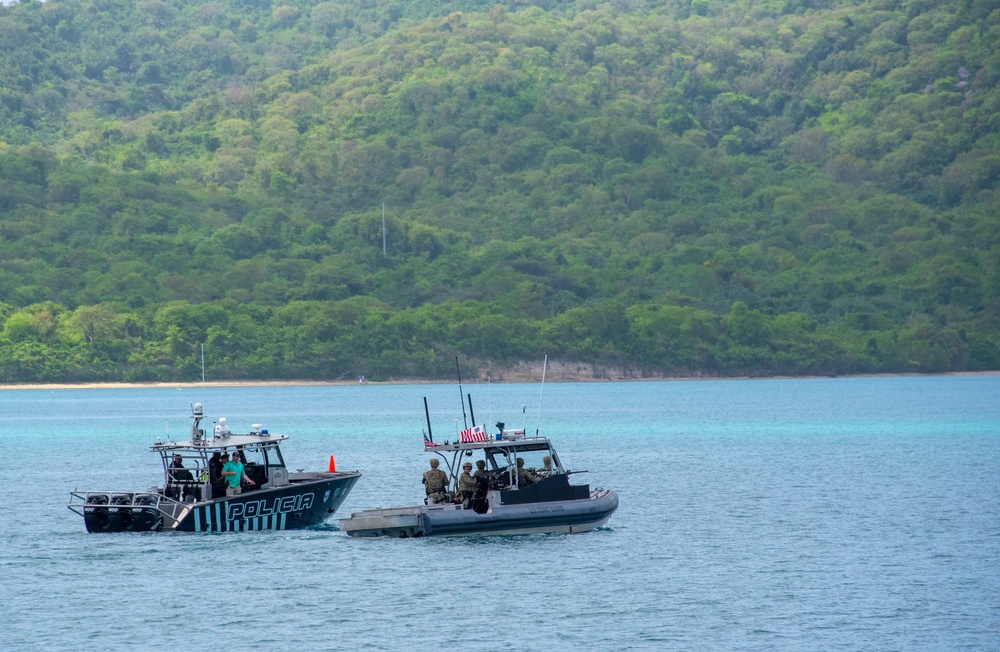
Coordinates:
125	511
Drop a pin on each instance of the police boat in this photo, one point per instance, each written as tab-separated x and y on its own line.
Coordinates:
508	498
193	497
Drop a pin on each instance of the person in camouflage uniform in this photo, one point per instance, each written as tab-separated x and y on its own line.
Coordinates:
479	502
480	470
466	486
436	483
524	476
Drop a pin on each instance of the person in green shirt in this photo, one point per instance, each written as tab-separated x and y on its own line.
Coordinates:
232	471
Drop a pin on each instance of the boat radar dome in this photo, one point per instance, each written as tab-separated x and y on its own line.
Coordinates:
198	410
222	429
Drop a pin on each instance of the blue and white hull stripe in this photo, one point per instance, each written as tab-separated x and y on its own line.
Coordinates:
210	519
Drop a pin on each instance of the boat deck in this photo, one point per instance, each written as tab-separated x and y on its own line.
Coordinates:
449	519
393	521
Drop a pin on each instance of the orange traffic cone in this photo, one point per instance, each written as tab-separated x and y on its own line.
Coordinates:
333	467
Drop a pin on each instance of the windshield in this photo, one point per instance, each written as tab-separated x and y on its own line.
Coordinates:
262	456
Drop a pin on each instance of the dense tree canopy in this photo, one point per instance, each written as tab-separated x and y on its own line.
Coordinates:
683	187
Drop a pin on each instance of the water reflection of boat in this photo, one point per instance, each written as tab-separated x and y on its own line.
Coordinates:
193	497
506	502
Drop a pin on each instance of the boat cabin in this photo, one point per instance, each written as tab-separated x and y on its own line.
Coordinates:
501	453
192	470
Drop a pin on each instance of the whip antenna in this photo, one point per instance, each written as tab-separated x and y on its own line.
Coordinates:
461	397
427	412
203	373
545	364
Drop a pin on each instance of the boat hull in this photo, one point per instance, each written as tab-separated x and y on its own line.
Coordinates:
284	508
293	506
569	516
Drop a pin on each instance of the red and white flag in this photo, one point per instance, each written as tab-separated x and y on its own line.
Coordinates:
475	433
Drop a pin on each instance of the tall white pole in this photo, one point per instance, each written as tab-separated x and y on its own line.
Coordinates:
202	373
545	365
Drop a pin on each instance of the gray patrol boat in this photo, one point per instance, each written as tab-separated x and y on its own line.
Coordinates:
538	500
193	497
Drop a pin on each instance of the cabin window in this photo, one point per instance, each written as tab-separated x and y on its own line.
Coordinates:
252	456
256	464
533	459
498	460
272	455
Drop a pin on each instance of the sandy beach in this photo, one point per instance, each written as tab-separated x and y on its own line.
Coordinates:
557	373
519	373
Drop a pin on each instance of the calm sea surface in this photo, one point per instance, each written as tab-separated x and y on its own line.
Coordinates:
825	514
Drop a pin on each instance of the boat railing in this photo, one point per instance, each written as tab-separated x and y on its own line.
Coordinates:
81	500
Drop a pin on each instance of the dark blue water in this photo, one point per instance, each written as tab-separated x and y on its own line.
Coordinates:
826	514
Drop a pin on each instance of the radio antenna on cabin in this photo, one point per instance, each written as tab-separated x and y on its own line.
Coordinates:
427	413
202	373
461	396
545	365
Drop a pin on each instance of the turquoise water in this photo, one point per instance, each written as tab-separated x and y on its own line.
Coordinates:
821	514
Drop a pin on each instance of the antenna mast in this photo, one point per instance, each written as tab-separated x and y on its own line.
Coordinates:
545	364
461	396
427	412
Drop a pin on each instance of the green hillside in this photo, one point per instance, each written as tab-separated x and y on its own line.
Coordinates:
675	187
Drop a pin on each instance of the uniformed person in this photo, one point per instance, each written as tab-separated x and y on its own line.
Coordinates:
546	469
524	476
480	471
479	502
435	483
466	486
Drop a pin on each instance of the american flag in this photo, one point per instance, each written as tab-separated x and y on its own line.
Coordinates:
475	433
429	444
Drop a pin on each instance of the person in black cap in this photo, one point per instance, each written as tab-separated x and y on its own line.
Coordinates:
218	480
182	478
234	473
214	467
